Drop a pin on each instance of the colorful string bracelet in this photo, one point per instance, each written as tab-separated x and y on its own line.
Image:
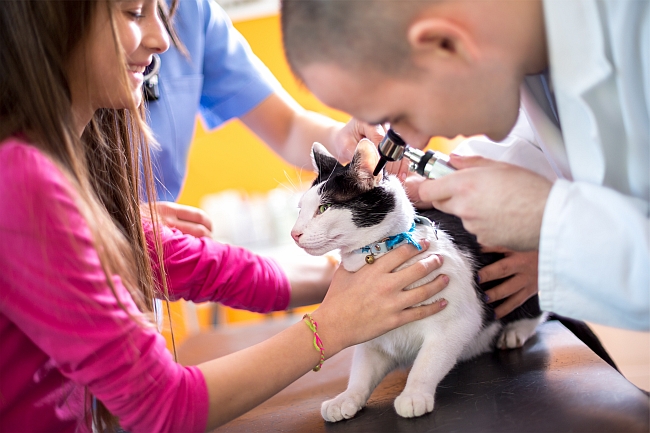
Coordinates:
318	344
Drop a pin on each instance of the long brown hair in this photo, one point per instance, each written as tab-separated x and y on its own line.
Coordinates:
103	165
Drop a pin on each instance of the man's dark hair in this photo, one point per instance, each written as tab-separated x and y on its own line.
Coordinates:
350	33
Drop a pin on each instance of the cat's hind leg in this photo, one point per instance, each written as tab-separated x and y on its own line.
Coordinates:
369	366
515	334
435	359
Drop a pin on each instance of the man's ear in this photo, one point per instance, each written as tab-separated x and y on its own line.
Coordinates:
364	161
441	38
323	161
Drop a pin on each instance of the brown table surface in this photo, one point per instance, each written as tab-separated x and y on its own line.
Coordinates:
553	384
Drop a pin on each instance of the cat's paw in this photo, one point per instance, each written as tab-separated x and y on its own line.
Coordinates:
344	406
511	339
414	404
516	334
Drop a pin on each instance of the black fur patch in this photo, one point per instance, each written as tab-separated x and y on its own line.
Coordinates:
325	164
342	189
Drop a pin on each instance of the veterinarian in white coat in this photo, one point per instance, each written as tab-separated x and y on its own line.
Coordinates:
590	118
594	260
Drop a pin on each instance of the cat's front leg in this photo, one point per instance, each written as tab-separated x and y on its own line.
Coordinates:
369	366
435	359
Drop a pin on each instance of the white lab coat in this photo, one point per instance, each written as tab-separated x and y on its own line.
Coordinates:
594	261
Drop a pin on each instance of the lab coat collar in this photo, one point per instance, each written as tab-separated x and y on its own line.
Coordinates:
579	64
546	131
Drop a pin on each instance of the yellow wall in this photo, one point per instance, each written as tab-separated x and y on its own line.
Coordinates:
216	161
233	158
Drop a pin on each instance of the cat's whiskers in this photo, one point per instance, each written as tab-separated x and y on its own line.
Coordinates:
291	187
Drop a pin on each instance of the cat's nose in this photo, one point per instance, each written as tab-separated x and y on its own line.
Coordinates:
296	236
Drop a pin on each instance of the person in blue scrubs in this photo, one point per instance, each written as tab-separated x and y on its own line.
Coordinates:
221	79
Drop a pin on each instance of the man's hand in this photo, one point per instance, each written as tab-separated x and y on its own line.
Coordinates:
412	187
521	267
500	203
189	220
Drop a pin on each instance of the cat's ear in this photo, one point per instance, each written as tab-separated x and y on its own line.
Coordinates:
364	161
323	161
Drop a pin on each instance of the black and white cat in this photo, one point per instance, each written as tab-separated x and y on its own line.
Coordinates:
363	216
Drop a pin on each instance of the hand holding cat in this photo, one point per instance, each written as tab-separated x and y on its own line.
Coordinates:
346	138
521	267
500	203
365	304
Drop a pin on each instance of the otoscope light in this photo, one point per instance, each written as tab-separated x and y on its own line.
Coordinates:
391	148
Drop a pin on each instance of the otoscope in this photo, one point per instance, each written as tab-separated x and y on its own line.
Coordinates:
429	164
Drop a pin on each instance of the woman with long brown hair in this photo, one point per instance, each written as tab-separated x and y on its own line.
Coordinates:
81	265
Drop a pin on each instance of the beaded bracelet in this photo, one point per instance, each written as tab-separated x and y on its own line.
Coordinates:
318	344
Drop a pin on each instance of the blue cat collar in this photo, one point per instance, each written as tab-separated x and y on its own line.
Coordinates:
378	249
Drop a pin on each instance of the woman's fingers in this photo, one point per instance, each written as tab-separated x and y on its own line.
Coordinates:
423	311
193	215
190	228
418	270
422	293
188	219
399	255
365	304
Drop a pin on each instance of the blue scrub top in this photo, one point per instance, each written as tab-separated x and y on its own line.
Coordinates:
222	80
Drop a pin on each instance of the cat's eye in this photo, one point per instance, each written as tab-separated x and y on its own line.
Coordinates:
322	208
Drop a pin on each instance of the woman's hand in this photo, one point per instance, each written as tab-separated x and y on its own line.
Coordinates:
370	302
358	307
189	220
521	267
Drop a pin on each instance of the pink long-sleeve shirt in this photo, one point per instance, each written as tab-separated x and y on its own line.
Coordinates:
62	329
